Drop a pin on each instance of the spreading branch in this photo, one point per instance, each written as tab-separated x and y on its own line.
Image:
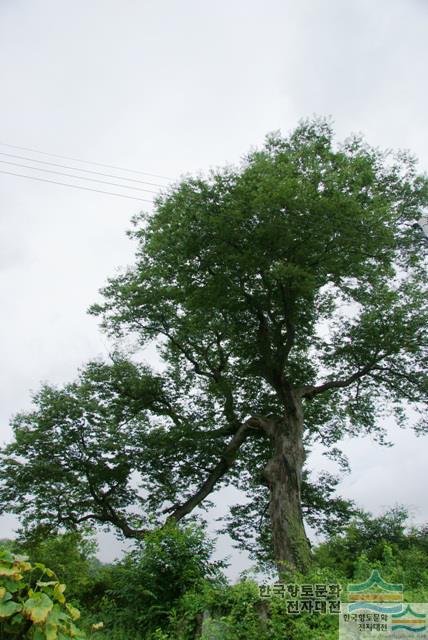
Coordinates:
310	392
225	463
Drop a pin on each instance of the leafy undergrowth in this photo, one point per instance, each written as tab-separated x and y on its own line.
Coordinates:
170	589
232	612
32	602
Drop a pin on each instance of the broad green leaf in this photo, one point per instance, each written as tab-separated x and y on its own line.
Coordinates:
57	616
5	595
10	571
51	631
11	585
8	609
59	592
38	607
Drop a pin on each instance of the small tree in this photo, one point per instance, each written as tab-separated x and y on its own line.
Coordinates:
145	586
288	303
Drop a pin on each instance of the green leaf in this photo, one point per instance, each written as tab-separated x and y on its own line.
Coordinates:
57	616
38	607
75	632
51	631
59	592
10	571
8	609
75	613
5	595
42	567
11	585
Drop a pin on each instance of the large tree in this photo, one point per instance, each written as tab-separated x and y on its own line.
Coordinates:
286	299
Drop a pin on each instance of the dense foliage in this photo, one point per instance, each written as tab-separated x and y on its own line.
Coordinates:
70	555
32	602
170	589
287	298
139	592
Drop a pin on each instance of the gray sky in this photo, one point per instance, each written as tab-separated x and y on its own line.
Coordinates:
172	87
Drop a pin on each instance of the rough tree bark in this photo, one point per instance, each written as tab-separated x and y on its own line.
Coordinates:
283	476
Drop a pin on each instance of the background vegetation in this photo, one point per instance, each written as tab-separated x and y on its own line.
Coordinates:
169	588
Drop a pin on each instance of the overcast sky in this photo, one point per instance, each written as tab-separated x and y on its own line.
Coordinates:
171	87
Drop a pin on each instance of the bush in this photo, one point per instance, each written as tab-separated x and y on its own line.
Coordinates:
32	602
142	590
70	555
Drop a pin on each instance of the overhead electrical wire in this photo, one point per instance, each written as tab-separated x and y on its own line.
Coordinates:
70	175
75	186
99	164
64	166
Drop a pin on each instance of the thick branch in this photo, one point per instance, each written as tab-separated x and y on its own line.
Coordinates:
109	514
221	432
226	461
311	391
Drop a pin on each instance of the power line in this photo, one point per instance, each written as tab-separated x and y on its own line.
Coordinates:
99	164
70	175
75	186
64	166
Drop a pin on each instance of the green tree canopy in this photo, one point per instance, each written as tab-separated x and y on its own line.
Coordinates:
287	300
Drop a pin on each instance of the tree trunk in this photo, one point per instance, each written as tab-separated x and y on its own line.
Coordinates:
283	474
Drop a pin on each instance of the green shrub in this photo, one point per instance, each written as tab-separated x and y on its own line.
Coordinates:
70	555
32	602
142	590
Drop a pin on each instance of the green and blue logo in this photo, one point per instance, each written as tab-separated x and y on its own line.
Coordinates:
409	620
